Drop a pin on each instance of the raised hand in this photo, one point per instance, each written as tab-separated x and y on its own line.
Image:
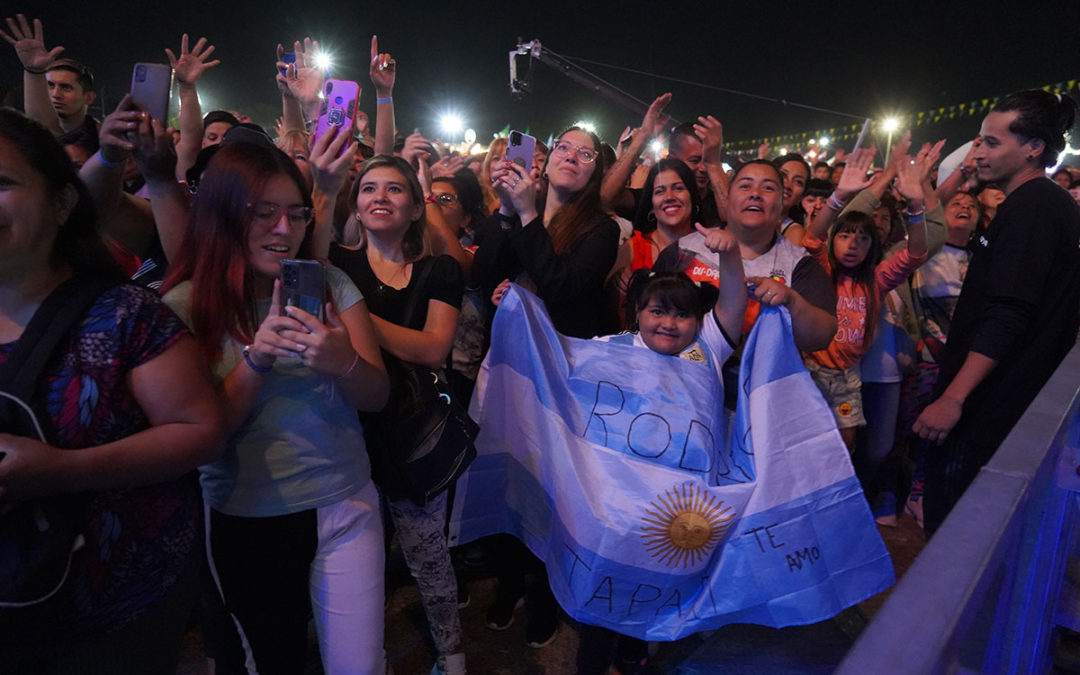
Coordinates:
909	176
323	347
383	70
854	179
154	151
330	160
190	66
655	118
416	149
711	133
29	44
763	150
515	188
718	240
500	291
447	166
302	80
119	129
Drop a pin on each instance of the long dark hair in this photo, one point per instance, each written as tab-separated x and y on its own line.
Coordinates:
645	206
1042	115
78	243
858	222
578	218
214	253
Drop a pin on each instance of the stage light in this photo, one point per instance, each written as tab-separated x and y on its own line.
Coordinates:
451	124
323	61
890	124
823	141
587	126
470	136
656	146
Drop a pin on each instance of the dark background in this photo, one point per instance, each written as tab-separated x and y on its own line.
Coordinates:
865	59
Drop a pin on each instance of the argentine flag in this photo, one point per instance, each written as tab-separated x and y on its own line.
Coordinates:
613	465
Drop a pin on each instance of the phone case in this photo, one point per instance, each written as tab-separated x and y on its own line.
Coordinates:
303	285
521	153
338	109
151	88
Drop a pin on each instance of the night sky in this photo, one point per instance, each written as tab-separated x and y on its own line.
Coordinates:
893	58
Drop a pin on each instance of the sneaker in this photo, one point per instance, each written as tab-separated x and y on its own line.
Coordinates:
542	627
885	510
500	615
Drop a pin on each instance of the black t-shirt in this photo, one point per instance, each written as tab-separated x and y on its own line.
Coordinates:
1019	305
444	283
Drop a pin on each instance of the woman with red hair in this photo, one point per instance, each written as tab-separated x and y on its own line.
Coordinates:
292	515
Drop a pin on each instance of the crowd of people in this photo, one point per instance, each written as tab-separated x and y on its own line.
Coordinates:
930	303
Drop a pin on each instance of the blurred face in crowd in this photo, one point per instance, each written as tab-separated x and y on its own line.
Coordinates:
837	171
823	172
882	218
279	221
1075	192
1063	178
384	203
962	213
447	198
755	200
795	178
572	161
690	150
67	96
214	133
30	212
666	330
671	201
812	205
851	248
538	164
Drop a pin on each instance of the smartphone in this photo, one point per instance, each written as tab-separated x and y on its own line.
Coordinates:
303	285
338	108
151	88
520	149
287	57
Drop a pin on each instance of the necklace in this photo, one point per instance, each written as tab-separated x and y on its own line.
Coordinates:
398	271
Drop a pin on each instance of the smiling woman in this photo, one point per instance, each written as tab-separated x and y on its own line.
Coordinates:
113	443
293	487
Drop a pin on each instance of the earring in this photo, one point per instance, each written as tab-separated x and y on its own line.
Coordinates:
697	209
651	217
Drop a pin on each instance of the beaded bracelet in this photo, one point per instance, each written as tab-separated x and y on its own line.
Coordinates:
251	363
35	72
355	361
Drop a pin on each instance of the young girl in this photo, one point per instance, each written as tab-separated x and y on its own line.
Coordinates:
853	259
670	315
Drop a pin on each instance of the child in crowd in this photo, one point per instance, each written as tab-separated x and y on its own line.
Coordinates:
853	259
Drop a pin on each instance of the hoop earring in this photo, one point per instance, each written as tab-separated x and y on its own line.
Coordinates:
697	209
651	217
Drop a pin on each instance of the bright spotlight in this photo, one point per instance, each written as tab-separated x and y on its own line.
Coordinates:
451	123
823	141
587	126
470	136
323	61
656	146
783	151
890	124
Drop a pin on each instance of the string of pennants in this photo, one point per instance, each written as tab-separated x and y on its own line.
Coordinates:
921	118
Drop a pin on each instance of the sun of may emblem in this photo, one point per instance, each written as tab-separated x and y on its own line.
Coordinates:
684	524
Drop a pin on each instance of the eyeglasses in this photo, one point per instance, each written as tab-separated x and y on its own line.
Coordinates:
446	198
269	212
584	154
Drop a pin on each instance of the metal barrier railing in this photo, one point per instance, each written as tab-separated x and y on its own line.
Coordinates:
983	595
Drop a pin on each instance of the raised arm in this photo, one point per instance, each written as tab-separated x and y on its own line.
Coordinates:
852	181
951	185
330	161
731	303
446	239
188	68
711	132
613	191
383	72
29	44
156	158
909	183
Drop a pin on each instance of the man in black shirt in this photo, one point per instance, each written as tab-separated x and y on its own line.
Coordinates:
1017	313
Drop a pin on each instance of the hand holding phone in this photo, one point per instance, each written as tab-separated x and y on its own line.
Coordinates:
520	149
303	285
151	88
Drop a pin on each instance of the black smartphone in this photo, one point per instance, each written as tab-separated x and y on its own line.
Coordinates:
287	57
303	285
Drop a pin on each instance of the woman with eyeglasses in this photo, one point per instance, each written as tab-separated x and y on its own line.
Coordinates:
553	237
292	516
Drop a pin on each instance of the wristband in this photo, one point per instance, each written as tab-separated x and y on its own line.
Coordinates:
35	72
251	363
355	361
915	217
388	99
834	203
430	199
107	163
